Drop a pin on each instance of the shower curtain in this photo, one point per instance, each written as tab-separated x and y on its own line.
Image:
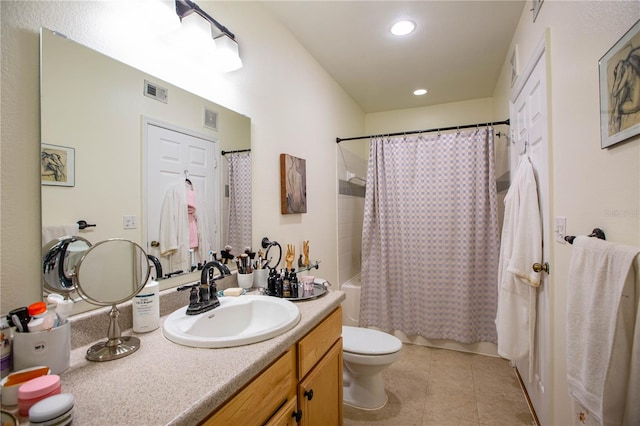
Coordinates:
239	225
430	243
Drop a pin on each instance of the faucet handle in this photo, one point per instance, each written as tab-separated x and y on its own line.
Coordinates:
188	287
193	295
204	293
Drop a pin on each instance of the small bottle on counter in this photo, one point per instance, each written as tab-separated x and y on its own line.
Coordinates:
286	284
271	282
146	308
279	285
293	278
41	319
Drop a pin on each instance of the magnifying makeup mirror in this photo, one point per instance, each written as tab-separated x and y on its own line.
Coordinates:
105	274
111	272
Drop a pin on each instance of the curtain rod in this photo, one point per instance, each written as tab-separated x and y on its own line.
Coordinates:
465	126
237	150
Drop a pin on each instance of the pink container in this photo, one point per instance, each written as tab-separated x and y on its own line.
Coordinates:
35	390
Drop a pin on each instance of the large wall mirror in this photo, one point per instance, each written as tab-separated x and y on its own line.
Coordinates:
97	116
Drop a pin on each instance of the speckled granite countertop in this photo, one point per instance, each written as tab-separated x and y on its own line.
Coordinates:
165	383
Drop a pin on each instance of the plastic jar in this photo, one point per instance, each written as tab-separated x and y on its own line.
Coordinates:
55	410
36	390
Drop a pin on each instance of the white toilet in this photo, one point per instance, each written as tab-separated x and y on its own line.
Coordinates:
366	353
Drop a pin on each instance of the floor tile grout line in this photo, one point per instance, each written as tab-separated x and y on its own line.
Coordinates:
473	384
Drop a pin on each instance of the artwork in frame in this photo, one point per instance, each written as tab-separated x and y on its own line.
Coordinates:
293	184
57	165
537	5
620	89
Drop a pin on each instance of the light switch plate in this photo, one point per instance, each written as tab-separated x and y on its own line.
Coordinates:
560	229
130	222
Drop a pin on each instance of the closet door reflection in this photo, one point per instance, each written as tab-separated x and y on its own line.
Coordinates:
182	208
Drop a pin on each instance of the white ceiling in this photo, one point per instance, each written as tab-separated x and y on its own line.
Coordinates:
456	51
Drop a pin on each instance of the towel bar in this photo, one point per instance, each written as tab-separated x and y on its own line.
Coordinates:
597	233
82	224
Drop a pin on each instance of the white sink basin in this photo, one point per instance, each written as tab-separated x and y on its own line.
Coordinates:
237	321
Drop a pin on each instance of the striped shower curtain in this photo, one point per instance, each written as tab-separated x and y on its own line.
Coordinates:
239	225
430	242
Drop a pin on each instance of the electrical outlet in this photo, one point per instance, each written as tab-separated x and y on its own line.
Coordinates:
130	222
560	229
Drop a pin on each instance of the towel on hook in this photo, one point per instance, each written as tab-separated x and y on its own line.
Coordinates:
53	232
603	330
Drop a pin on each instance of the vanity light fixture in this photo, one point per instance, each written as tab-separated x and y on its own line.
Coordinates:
226	47
402	28
420	92
226	54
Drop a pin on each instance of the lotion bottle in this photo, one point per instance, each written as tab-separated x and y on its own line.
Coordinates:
146	308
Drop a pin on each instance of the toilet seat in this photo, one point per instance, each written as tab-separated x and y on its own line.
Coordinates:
366	341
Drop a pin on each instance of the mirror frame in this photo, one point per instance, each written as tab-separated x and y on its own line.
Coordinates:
93	251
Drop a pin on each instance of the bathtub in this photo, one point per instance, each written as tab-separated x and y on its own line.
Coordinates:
351	316
351	304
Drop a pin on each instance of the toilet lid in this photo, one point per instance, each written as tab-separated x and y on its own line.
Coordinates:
366	341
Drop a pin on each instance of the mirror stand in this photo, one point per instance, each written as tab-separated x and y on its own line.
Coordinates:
116	346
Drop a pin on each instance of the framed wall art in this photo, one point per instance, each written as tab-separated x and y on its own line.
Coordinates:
537	5
619	89
57	165
293	184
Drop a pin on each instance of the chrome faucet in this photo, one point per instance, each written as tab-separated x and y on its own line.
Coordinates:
203	296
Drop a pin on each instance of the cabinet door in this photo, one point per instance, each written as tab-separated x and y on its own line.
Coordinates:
313	346
260	399
320	393
286	416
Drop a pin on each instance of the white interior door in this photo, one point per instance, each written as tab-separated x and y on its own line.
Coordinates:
169	153
529	129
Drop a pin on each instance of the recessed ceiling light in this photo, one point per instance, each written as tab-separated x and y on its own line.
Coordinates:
420	92
401	28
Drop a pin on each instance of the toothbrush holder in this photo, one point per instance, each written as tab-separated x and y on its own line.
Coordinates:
260	278
51	348
245	280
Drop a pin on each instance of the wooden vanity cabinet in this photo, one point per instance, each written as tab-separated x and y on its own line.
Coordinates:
320	373
266	394
286	416
303	386
320	392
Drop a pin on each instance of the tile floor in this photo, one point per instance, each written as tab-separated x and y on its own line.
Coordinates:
440	387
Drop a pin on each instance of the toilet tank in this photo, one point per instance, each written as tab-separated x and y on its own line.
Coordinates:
351	304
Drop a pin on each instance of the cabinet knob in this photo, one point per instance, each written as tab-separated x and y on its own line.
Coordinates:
309	394
297	415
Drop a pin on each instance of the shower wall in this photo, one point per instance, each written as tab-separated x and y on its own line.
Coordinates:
352	167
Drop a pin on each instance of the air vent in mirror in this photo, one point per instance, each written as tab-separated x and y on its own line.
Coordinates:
210	119
155	92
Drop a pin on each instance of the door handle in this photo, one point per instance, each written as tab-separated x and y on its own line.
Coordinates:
155	244
537	267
